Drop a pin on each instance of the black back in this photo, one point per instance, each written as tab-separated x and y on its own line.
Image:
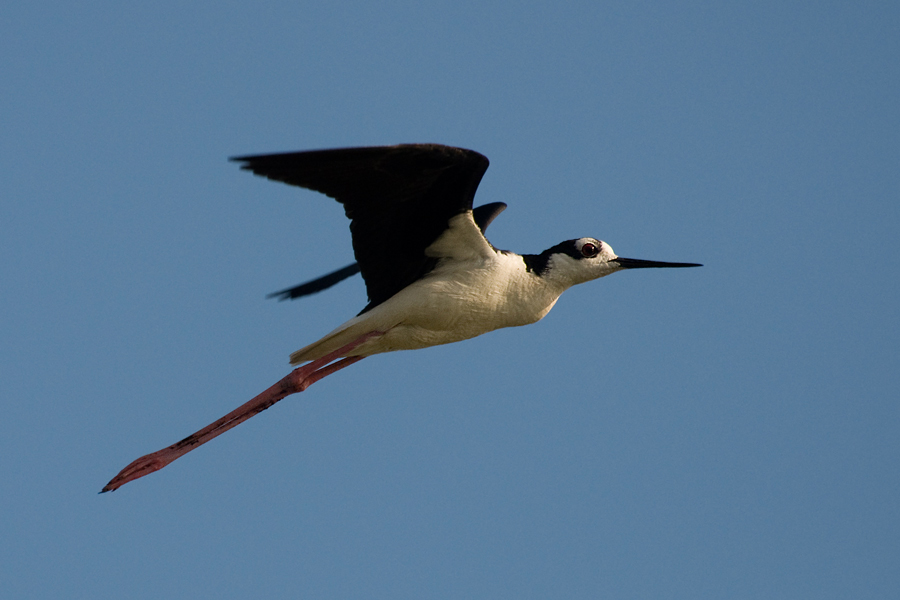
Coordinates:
399	199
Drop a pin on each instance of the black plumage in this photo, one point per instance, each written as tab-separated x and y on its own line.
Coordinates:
483	215
399	199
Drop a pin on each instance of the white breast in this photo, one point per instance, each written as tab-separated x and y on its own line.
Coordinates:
458	300
453	304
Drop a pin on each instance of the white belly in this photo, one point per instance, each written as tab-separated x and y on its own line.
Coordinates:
448	308
448	305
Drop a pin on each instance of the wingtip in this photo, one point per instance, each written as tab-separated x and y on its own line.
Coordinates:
246	159
280	296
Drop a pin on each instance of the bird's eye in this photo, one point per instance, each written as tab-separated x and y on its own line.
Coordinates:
589	250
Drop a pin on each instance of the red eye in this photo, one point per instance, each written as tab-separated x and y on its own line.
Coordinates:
589	250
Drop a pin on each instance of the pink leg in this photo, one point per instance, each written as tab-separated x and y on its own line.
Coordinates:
296	381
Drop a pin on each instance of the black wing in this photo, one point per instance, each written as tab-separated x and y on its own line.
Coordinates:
398	199
316	285
483	216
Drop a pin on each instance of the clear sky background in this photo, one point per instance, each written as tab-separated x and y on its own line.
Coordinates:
724	432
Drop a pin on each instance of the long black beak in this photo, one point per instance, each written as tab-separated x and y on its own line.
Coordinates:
636	263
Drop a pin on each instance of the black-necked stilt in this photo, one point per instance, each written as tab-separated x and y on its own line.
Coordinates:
431	275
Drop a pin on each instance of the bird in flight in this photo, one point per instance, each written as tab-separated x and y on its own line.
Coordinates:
431	276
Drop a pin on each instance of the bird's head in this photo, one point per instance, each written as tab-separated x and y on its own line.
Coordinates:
584	259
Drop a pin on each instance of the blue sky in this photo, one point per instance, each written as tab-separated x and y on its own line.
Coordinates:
728	432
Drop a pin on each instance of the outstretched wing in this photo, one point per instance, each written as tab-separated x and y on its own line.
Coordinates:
483	216
399	200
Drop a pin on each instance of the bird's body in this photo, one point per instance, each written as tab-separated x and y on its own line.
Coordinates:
462	297
431	275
